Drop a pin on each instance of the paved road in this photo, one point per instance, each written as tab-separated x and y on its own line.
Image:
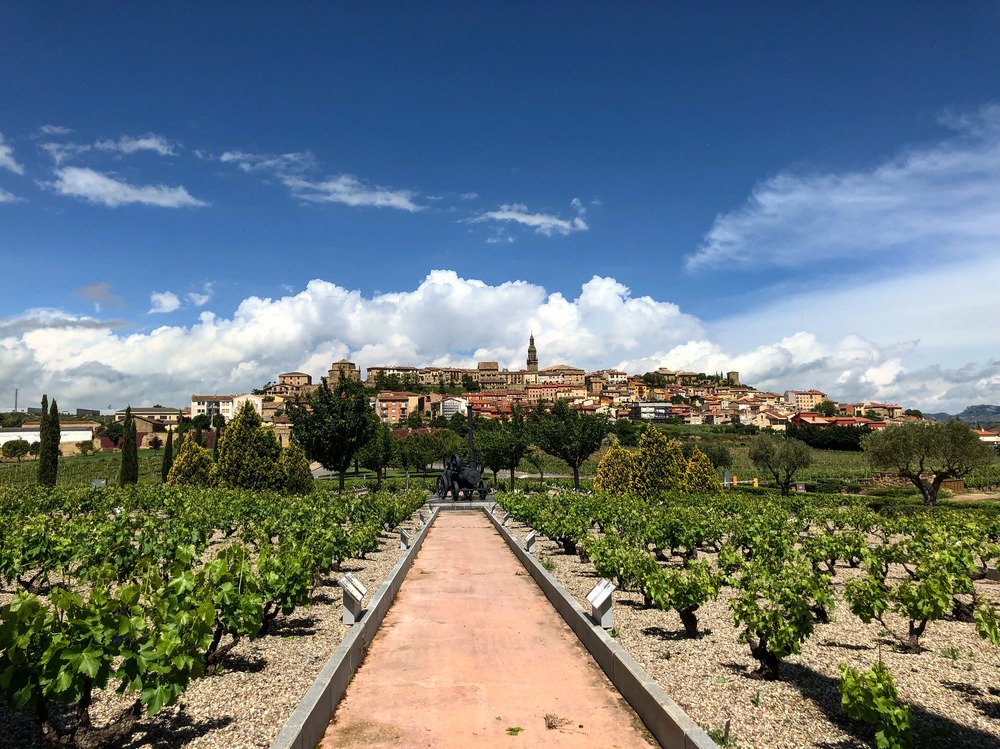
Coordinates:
472	654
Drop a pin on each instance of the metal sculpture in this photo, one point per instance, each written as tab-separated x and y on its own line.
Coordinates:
459	480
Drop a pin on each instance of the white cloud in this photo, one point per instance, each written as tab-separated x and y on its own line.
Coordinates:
7	160
542	223
469	195
203	297
8	197
163	301
54	130
349	190
128	144
291	170
938	201
96	187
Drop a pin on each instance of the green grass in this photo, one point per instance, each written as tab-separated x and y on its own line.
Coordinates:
827	464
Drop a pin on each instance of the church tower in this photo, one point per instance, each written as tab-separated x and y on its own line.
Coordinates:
532	355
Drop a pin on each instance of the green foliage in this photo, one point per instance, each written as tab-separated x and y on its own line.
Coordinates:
193	466
782	458
988	623
128	472
168	457
48	452
872	697
616	471
699	476
248	454
826	408
114	432
927	453
380	451
296	475
333	424
685	590
829	438
660	465
15	449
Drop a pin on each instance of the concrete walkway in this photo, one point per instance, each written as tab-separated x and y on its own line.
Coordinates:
472	654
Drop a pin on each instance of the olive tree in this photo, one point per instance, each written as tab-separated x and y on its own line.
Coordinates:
927	453
782	458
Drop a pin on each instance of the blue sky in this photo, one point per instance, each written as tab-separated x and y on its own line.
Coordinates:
195	199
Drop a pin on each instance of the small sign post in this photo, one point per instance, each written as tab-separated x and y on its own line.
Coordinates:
529	543
600	602
354	594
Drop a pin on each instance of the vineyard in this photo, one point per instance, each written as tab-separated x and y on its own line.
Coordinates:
81	471
117	602
796	621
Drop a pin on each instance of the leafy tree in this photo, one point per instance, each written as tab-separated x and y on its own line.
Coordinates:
218	422
699	476
48	452
128	472
826	408
927	453
155	442
569	435
616	471
168	457
660	465
296	475
378	452
201	421
193	465
536	459
16	449
410	454
36	446
414	420
114	432
86	447
627	432
332	425
829	438
248	453
782	458
914	412
505	444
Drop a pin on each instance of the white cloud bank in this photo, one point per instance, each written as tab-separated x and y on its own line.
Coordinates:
162	302
99	188
447	319
939	201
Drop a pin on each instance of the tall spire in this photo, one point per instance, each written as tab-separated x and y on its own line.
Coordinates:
532	355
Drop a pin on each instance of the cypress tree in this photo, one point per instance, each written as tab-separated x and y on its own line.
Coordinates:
168	456
48	452
129	471
616	472
249	454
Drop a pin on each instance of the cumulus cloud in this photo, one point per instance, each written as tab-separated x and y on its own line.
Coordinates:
163	301
542	223
450	320
128	144
935	202
7	160
292	170
99	188
203	297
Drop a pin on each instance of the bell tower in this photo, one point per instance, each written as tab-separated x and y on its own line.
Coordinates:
532	355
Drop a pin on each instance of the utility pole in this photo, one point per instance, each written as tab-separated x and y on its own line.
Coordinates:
16	391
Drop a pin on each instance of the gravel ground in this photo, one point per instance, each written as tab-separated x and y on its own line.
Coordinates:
955	701
261	682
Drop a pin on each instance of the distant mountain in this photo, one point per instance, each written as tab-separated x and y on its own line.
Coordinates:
973	414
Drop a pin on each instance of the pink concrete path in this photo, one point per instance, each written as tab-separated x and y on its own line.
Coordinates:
472	654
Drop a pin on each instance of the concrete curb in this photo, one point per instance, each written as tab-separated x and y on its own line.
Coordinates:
306	726
664	718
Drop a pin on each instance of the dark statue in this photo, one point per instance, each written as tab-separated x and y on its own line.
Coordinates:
459	480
